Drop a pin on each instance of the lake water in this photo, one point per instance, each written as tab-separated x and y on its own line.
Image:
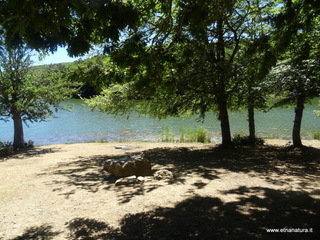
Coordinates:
83	125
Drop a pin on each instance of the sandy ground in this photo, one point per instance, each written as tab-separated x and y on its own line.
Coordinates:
60	192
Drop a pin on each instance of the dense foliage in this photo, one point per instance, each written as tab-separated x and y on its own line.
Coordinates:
44	25
193	57
170	58
199	56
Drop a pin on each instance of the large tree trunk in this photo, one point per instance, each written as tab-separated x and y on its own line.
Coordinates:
296	137
252	129
221	85
18	139
224	123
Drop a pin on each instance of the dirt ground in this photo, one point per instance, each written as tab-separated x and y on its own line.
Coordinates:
59	192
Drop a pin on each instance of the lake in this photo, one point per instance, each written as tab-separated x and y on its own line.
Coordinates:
84	125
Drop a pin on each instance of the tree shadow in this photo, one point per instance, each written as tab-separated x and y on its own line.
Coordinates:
30	152
266	161
277	165
82	173
90	229
87	174
37	151
250	217
43	232
127	193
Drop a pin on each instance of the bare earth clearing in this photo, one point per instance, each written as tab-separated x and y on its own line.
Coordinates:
60	192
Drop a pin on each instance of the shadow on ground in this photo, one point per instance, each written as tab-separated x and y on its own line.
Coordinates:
300	165
277	165
37	151
29	152
43	232
255	211
82	173
210	218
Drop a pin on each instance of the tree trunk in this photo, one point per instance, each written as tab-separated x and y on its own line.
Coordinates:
18	139
224	123
252	129
221	85
296	137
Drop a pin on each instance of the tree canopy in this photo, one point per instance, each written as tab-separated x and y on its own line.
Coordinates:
186	56
77	24
175	57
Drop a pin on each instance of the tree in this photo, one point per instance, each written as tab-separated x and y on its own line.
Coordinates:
255	61
252	94
297	74
184	57
26	95
296	83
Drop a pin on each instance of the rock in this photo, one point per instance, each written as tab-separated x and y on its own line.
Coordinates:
140	179
148	179
128	166
126	181
123	147
163	174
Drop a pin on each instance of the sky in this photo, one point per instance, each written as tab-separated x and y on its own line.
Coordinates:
60	56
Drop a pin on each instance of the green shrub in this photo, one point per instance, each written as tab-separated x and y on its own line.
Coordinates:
7	144
316	135
29	144
245	140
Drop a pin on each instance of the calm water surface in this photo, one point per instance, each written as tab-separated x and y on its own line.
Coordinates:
82	125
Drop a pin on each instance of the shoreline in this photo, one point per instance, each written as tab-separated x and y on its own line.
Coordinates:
272	142
96	148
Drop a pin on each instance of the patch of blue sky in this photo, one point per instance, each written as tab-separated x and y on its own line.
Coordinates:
60	56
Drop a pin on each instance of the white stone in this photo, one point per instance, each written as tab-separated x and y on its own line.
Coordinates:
140	179
163	174
121	147
126	180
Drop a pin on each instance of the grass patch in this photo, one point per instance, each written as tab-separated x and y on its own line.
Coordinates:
198	134
190	135
167	135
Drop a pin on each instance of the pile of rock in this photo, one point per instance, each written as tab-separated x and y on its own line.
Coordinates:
134	169
128	166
